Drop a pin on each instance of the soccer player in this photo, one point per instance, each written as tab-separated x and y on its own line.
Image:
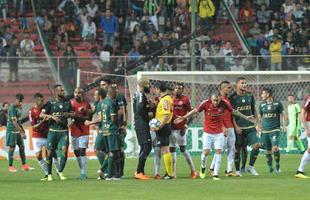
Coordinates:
181	106
164	115
244	102
58	110
122	119
15	134
4	114
294	125
142	117
100	150
213	109
230	136
305	120
269	122
79	131
39	133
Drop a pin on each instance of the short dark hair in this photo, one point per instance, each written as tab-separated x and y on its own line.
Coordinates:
4	103
19	97
57	85
240	79
161	86
37	95
269	91
102	93
108	81
291	95
224	82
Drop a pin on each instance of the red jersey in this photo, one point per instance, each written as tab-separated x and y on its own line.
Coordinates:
34	118
227	118
213	120
78	128
307	108
181	106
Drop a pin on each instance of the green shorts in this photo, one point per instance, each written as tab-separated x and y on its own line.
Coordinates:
112	142
13	139
270	140
99	142
57	139
248	137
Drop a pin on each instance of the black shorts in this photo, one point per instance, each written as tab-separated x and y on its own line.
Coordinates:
143	136
163	136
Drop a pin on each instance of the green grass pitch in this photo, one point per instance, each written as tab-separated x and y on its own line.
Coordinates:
27	185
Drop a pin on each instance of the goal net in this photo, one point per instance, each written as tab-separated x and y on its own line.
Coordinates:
199	85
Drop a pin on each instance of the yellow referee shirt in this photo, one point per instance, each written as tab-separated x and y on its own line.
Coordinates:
164	107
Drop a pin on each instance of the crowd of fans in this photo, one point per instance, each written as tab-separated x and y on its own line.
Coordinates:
136	28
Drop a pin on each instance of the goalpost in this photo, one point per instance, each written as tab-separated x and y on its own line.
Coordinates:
200	84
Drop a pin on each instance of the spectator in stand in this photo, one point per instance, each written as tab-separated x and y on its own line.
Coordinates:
275	49
246	13
70	64
2	53
204	54
209	66
133	54
144	48
298	14
4	113
147	26
8	35
263	16
169	9
206	12
109	25
4	8
13	57
26	46
183	22
238	65
137	7
289	6
265	56
162	66
92	8
255	30
151	8
137	34
61	36
47	25
89	30
155	44
83	17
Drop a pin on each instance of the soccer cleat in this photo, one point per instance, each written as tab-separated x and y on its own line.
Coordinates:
231	174
26	167
252	171
49	177
211	171
167	177
202	173
216	178
194	174
61	176
12	169
141	176
83	177
157	177
45	178
301	175
277	171
238	173
271	170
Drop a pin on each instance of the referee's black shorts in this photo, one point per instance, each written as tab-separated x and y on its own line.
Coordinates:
163	136
143	136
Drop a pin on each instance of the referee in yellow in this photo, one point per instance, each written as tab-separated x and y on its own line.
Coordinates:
164	115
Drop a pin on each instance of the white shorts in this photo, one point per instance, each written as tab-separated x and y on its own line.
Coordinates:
217	140
177	139
38	144
79	142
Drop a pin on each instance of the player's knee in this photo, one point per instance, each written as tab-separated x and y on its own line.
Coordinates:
21	148
12	148
182	149
275	149
256	146
206	152
218	151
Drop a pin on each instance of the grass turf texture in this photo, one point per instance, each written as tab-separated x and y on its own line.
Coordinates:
27	185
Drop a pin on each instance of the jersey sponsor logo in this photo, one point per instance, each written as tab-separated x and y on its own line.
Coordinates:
241	108
165	105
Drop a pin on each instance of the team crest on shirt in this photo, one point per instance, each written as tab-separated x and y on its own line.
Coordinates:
243	100
269	108
220	109
180	103
60	106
